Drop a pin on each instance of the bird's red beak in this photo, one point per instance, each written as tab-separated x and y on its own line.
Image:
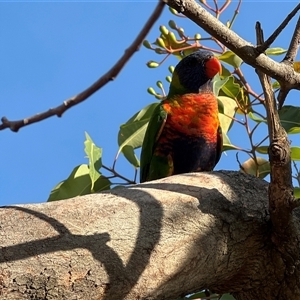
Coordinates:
213	67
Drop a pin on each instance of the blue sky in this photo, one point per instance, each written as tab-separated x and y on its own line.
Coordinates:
51	51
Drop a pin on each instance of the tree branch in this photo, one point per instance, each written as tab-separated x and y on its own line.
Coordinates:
157	240
281	200
265	45
245	50
110	75
289	59
294	45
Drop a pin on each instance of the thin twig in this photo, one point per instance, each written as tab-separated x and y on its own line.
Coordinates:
116	174
247	86
236	12
264	46
110	75
289	59
294	44
282	96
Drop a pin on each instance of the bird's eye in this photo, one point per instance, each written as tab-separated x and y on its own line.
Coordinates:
209	57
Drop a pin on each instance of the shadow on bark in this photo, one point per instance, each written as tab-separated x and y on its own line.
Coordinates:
244	219
148	237
241	231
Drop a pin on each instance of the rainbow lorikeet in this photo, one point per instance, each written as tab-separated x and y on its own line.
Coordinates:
184	133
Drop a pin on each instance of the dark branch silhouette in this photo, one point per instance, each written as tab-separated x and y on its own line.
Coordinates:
289	59
266	44
110	75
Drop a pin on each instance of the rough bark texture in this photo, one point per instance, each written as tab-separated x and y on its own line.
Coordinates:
151	241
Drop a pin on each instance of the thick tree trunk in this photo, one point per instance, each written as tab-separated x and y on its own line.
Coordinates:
156	240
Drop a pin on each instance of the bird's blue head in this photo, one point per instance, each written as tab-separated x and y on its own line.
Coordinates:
195	70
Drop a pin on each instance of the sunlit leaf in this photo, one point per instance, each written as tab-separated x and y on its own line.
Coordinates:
229	109
130	155
243	100
295	153
297	66
231	58
290	118
294	130
235	89
297	192
275	51
262	149
256	118
77	184
250	167
227	144
101	184
218	83
225	72
275	85
230	88
131	134
94	155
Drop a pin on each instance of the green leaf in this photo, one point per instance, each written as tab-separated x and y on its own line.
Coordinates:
234	88
290	118
295	153
256	119
231	58
229	109
225	72
249	167
230	88
227	297
275	85
262	149
78	183
218	83
128	152
275	51
101	184
297	192
131	134
294	130
227	144
94	155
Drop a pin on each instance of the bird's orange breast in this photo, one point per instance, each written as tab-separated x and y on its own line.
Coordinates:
193	115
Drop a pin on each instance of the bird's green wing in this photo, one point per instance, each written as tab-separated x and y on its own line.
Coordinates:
154	129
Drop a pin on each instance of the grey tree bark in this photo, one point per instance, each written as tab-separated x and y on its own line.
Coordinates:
156	240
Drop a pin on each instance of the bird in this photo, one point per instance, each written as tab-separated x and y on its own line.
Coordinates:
184	133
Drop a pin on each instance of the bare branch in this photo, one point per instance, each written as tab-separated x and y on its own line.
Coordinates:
282	96
265	45
289	59
281	200
110	75
245	50
294	45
